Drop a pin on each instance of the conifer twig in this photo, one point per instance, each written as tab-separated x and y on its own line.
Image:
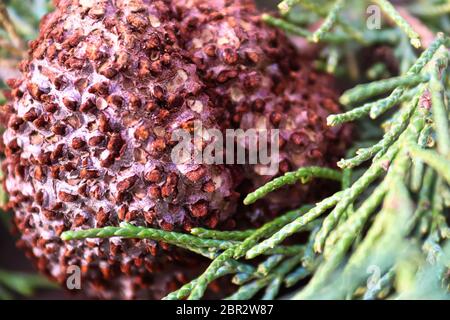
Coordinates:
294	226
384	282
202	282
357	220
329	21
303	174
433	159
249	290
129	231
440	112
230	267
286	5
350	194
365	91
430	10
383	36
364	110
9	27
397	127
389	9
375	109
267	230
222	235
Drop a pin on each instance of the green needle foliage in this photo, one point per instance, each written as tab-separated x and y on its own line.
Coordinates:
21	284
302	174
389	9
385	234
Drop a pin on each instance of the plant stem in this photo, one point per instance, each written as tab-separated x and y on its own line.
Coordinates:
329	21
222	235
294	226
365	91
389	9
130	231
302	174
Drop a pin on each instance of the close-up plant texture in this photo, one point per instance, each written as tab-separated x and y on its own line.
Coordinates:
92	93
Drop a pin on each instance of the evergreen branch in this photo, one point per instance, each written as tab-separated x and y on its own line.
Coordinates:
405	54
397	199
424	200
383	36
393	99
238	250
279	275
385	281
431	10
357	220
389	138
267	266
387	103
248	291
241	278
202	282
350	195
375	109
433	159
229	268
309	256
308	262
129	231
286	250
297	275
267	230
302	174
377	71
295	226
333	60
10	28
329	21
365	91
440	112
287	26
286	5
222	235
273	288
364	110
339	250
24	284
354	114
389	9
353	32
428	54
417	173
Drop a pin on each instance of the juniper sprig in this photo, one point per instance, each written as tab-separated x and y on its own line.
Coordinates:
303	175
127	230
389	9
22	284
329	21
364	91
294	227
222	235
